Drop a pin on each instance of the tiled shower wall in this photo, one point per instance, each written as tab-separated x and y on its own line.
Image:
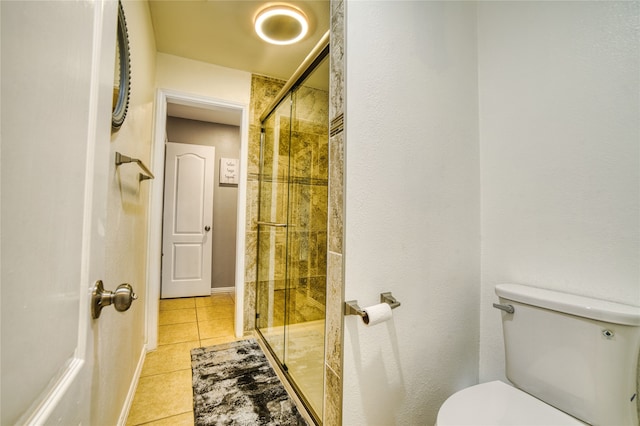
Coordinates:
308	194
263	92
294	183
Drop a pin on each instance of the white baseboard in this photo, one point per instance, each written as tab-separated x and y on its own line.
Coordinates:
215	290
124	414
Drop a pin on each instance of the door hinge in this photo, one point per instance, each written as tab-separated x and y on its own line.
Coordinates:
257	315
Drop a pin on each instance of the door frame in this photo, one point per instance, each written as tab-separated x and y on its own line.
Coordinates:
154	243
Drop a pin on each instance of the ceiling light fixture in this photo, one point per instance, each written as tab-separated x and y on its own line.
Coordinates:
281	25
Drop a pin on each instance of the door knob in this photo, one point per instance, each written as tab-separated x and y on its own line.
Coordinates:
121	299
207	228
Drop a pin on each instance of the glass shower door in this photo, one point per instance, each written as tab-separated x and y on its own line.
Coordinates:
307	242
292	235
273	205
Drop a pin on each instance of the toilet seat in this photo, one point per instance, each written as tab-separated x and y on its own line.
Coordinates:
496	403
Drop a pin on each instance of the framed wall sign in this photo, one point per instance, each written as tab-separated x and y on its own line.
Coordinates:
229	171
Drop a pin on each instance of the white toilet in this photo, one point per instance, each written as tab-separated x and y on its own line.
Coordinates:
572	359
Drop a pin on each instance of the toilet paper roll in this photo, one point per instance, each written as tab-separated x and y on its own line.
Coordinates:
377	314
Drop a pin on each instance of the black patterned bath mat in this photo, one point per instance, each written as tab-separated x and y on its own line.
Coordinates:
233	384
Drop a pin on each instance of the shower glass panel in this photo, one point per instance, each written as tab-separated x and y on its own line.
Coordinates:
273	227
292	234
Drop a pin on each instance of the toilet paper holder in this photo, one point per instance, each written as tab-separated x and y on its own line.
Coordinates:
352	308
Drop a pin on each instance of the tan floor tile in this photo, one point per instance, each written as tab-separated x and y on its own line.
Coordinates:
166	304
185	419
203	301
177	316
214	299
218	341
176	333
161	396
215	313
211	329
169	358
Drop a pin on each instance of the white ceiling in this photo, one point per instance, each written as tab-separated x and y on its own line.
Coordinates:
221	32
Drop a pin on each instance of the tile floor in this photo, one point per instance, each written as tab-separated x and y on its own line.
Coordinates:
164	394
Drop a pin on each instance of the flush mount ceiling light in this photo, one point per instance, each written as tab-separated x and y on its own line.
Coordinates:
281	25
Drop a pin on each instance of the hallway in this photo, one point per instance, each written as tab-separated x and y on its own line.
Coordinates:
164	394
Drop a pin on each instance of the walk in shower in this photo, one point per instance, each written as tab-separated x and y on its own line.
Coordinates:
292	228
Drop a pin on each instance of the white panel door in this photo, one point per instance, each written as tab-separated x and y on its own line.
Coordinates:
57	77
188	217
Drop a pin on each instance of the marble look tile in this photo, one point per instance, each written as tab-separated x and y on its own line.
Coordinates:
253	187
251	244
153	402
334	313
332	412
168	358
336	66
336	193
311	110
176	316
176	333
249	306
321	160
337	4
332	415
253	152
167	304
263	90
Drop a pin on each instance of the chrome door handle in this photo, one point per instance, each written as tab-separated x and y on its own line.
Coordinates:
121	298
207	228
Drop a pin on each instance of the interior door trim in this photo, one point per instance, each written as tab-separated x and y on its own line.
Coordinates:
154	243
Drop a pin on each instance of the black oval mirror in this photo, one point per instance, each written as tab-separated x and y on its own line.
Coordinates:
122	74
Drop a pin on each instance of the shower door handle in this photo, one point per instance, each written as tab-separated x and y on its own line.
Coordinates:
277	225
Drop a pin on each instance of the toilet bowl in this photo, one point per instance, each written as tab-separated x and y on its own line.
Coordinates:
497	403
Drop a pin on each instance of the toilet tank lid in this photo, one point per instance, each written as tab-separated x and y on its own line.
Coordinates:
582	306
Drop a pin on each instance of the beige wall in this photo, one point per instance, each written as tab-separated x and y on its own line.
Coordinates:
202	79
226	140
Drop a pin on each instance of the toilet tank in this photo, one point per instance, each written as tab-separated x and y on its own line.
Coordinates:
578	354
